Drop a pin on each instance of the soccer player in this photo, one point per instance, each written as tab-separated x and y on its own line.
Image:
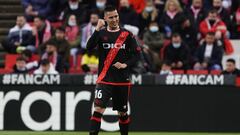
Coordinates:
118	51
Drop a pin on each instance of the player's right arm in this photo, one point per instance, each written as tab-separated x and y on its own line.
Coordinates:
93	40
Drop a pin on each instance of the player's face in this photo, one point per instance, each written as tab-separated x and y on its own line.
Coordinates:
112	19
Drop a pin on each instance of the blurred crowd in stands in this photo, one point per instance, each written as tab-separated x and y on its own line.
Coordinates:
173	34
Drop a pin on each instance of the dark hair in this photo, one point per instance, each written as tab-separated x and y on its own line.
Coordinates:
109	9
51	42
153	22
42	18
21	16
62	29
21	58
211	33
176	35
213	11
166	62
231	60
27	53
95	12
44	62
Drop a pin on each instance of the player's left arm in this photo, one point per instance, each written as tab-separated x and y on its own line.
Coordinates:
134	51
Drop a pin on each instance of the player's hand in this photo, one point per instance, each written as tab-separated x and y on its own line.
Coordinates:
100	24
119	65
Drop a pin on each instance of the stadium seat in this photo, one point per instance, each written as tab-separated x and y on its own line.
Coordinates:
53	24
197	72
165	44
10	60
5	71
238	81
76	71
177	71
56	24
78	64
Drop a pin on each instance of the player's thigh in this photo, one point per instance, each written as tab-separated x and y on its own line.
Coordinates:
120	98
102	95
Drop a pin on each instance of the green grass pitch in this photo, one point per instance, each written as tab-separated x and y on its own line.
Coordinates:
106	133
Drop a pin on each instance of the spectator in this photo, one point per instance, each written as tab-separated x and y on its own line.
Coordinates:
189	35
74	7
31	62
20	66
222	12
98	7
214	24
151	61
101	4
127	14
149	14
88	30
172	18
58	6
235	32
177	53
19	37
209	55
231	68
166	69
63	48
185	3
138	5
42	31
52	55
35	8
153	38
45	68
72	31
195	15
89	62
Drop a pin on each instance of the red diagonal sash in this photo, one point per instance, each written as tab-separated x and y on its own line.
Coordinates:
112	54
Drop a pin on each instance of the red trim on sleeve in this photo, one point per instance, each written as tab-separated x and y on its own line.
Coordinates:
95	119
124	122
